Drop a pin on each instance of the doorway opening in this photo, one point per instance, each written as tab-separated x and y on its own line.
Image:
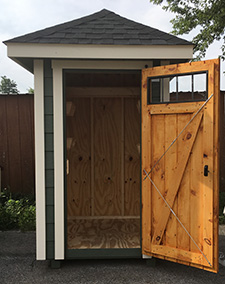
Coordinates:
102	159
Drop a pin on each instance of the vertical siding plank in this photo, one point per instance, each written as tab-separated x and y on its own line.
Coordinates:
171	124
208	133
158	174
26	144
4	158
183	198
195	191
14	145
146	150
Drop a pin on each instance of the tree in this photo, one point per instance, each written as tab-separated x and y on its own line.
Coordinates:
30	90
8	86
206	15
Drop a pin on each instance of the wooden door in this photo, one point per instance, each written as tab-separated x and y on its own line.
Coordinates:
180	163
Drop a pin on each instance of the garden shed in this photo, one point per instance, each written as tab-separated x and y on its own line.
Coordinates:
126	142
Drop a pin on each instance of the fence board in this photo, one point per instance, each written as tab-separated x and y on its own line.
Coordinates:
17	143
222	142
3	140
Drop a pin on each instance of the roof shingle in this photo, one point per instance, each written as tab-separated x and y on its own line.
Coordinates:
103	27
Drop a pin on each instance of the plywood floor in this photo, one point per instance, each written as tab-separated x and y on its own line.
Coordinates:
103	233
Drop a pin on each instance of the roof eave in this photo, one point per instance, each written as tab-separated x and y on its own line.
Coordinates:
79	51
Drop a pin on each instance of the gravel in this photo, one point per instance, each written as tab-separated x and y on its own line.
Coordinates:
18	265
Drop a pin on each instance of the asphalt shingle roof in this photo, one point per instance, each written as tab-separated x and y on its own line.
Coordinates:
103	27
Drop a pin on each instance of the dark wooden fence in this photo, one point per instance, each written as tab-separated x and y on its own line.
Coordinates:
222	142
17	143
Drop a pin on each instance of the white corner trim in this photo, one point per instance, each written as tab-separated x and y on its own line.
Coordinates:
58	163
39	160
92	51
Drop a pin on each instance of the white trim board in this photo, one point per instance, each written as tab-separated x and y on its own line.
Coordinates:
39	159
91	51
102	64
58	163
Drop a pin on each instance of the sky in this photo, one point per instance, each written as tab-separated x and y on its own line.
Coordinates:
19	17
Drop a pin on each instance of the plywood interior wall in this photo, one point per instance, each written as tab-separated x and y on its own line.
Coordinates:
103	134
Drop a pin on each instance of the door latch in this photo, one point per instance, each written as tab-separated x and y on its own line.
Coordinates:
206	170
67	166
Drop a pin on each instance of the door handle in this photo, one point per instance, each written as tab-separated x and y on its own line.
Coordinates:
206	170
67	166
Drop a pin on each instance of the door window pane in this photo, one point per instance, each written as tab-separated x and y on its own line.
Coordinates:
178	88
200	86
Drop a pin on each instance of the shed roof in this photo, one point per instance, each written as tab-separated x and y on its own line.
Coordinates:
101	28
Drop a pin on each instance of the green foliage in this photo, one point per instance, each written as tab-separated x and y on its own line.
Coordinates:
30	90
27	219
208	15
8	86
16	214
6	222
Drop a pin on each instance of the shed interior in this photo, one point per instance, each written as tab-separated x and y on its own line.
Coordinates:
103	159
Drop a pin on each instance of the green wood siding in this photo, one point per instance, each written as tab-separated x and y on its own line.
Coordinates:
49	158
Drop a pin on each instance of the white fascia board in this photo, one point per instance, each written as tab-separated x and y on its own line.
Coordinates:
91	51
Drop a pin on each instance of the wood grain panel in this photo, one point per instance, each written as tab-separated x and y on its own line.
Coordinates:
26	144
109	92
79	177
172	108
17	143
183	196
158	174
181	68
183	255
170	164
146	130
176	174
208	159
107	156
103	233
14	144
4	158
132	157
196	191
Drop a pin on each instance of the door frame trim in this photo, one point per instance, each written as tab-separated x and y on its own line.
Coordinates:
90	253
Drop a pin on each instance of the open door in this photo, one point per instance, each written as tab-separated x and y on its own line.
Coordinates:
180	169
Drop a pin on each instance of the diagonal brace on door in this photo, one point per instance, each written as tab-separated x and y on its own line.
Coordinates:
178	135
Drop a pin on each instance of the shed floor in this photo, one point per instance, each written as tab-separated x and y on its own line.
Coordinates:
103	233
